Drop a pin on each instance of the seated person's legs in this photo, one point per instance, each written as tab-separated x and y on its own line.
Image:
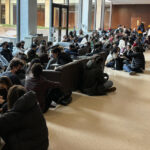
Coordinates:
110	64
127	68
138	70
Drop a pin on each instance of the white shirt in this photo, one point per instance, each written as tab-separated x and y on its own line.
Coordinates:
122	45
16	51
84	41
149	32
110	57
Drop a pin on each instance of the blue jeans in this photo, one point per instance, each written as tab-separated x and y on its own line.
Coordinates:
127	68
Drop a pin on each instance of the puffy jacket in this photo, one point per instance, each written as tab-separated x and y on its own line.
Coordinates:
24	127
93	79
138	60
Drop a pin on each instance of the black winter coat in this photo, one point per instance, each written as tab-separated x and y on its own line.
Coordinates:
24	127
138	60
63	58
93	79
7	54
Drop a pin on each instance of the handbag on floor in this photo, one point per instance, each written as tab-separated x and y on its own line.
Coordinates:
118	65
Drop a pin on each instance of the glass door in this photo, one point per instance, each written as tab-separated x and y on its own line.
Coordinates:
60	18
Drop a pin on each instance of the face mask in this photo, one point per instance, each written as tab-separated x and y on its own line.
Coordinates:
20	71
3	93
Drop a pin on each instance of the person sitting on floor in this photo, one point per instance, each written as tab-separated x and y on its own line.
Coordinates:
43	56
18	49
22	44
110	62
31	54
122	45
21	72
58	57
5	85
49	46
138	62
72	51
23	127
6	52
61	57
15	67
65	39
128	52
29	71
44	88
94	81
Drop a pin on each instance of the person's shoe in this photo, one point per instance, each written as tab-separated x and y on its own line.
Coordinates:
52	106
132	73
113	89
66	102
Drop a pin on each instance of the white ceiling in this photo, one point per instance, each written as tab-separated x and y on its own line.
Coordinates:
130	1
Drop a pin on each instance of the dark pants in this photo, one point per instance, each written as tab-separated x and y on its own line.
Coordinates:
52	95
58	96
110	64
127	68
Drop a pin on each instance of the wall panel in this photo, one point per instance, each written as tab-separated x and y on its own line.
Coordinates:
124	14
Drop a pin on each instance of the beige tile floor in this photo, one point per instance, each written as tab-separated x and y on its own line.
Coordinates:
118	121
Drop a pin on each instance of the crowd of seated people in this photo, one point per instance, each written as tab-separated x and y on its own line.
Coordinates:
127	50
25	93
123	46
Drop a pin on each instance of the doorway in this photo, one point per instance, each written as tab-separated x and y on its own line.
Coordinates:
60	20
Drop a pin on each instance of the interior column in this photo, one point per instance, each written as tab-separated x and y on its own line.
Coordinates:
87	15
100	14
28	18
47	14
0	12
7	11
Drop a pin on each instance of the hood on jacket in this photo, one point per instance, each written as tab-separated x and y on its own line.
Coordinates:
26	102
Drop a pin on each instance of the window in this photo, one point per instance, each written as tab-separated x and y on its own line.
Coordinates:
2	14
73	14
